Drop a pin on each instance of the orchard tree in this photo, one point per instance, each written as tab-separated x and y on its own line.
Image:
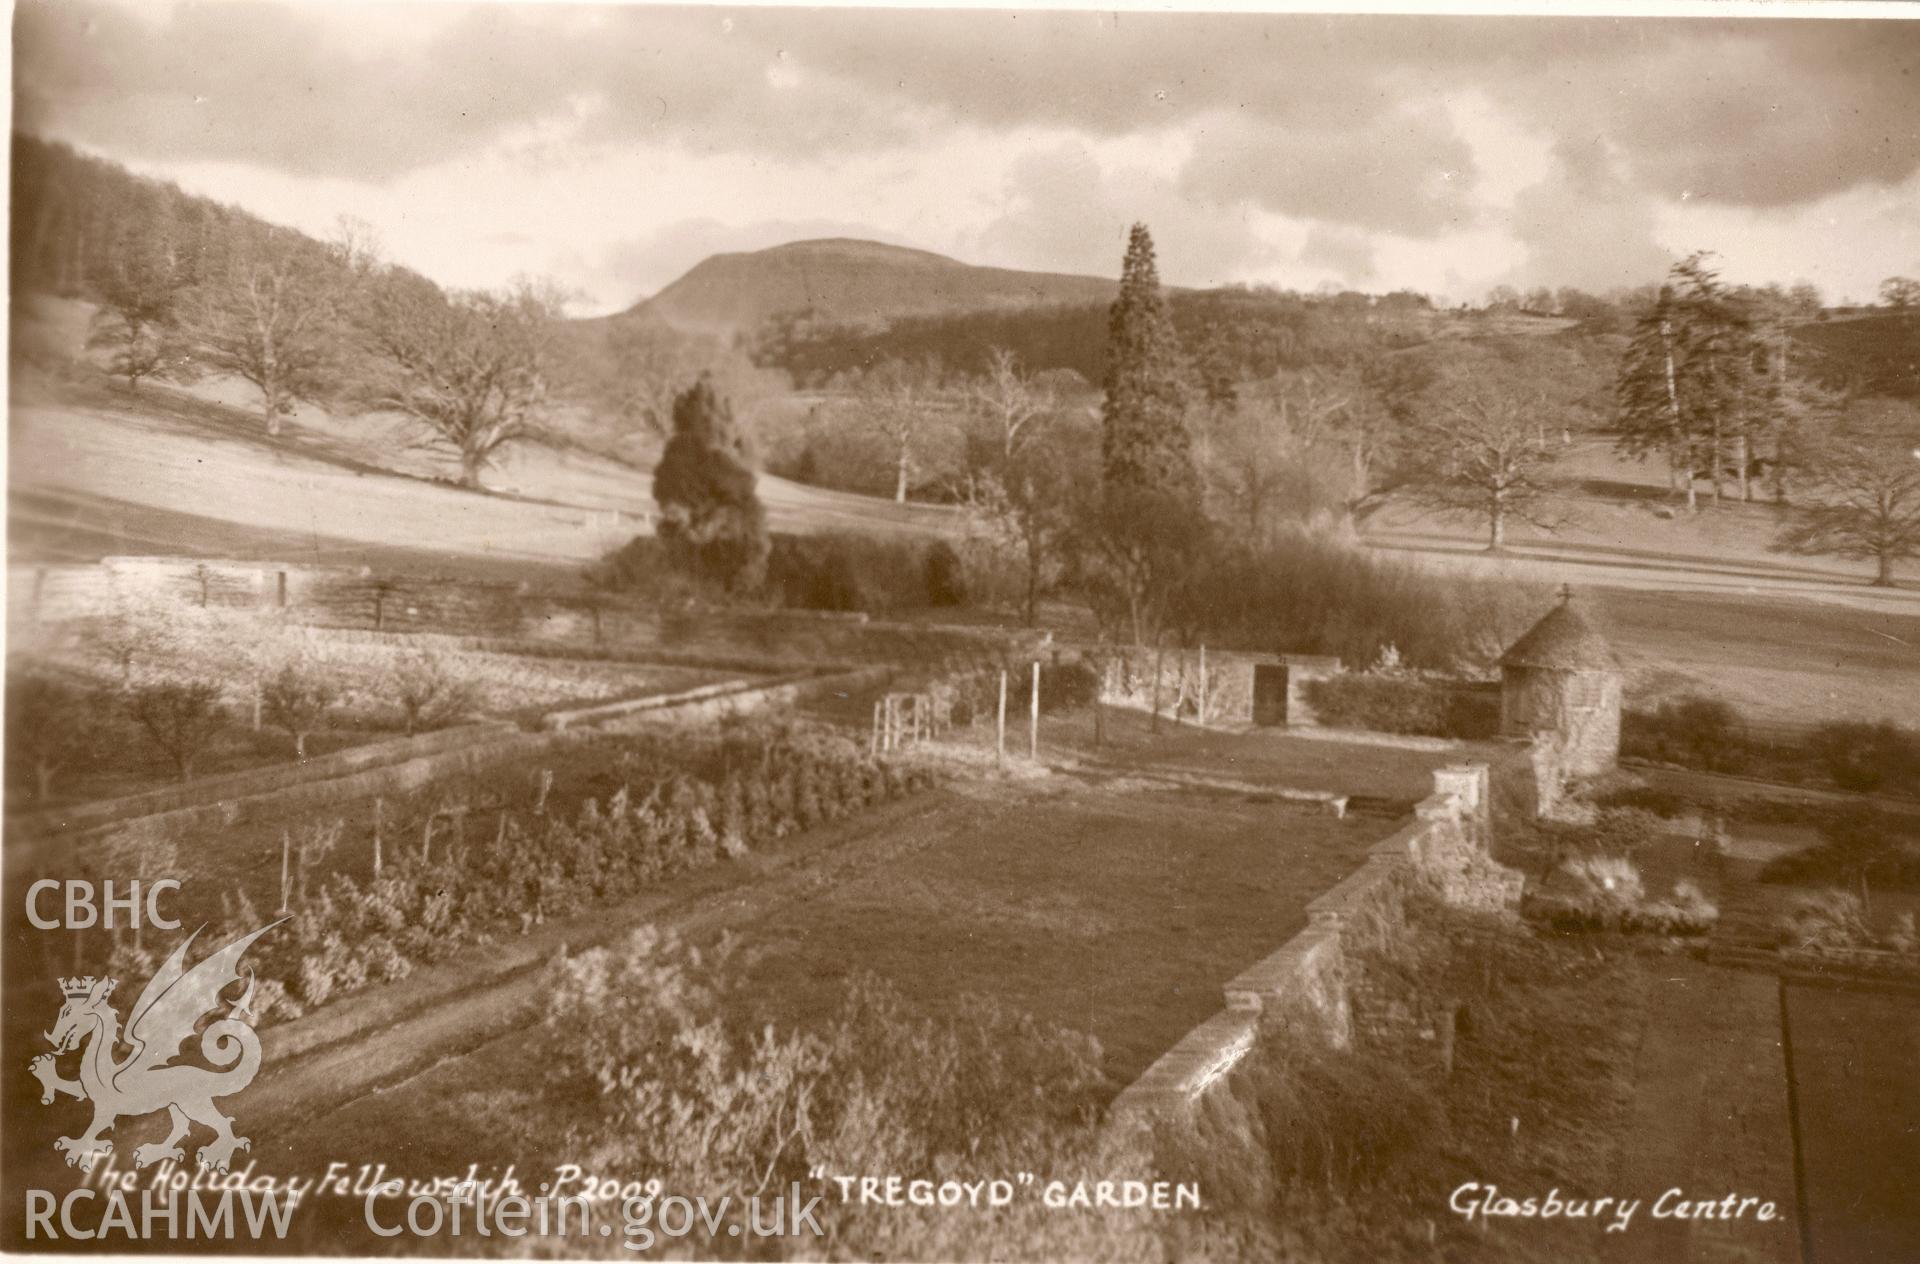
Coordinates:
52	728
711	519
430	689
297	698
182	718
1145	445
1865	502
271	317
141	283
471	367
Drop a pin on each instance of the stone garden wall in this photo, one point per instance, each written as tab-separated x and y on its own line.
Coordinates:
1446	844
356	598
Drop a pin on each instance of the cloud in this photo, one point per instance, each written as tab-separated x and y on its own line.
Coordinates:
290	87
1754	112
1069	209
1348	254
1585	226
1760	115
617	143
1407	172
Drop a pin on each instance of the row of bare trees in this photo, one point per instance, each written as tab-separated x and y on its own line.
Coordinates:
303	321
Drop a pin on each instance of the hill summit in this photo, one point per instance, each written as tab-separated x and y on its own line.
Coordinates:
845	280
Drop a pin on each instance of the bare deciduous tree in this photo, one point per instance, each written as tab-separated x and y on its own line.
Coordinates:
1015	404
296	698
900	402
1866	500
429	689
1488	456
271	319
1276	441
141	284
470	367
181	718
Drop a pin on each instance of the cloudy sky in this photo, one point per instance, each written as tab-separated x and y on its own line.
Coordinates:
612	147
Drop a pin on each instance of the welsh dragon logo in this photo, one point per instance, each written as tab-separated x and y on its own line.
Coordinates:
160	1023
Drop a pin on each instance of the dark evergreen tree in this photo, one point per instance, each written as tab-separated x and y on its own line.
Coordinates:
1687	384
1145	447
711	520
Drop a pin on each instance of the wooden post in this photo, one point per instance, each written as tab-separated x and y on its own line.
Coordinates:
1203	687
1000	740
1033	719
258	703
1159	662
286	861
426	839
873	738
379	814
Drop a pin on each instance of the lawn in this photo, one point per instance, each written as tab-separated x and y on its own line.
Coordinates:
1119	913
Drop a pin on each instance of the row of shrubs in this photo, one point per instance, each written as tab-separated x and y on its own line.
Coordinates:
59	726
679	806
844	571
1302	592
1709	734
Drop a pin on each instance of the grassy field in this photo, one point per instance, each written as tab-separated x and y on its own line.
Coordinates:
1697	603
1772	657
98	470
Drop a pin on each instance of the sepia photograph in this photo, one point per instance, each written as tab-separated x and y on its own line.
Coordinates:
1273	634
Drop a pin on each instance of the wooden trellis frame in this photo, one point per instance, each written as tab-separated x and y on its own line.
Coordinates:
900	719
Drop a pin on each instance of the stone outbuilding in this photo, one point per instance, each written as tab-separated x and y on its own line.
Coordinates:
1562	678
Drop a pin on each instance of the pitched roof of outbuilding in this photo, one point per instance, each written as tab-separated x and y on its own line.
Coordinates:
1562	641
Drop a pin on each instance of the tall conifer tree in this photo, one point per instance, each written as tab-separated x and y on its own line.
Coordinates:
1145	446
